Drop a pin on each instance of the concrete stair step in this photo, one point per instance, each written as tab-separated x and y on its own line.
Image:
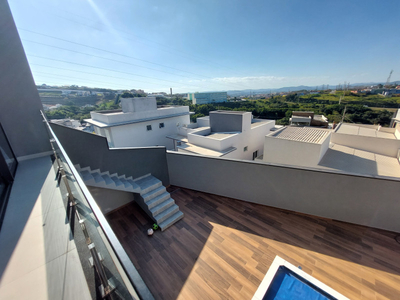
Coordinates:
85	174
116	180
97	177
107	179
148	183
142	177
171	220
153	193
125	182
156	210
134	185
85	169
166	213
157	200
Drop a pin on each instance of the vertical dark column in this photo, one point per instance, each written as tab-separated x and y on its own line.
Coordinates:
20	103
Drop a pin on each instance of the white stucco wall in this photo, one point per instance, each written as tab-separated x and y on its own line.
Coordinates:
388	147
203	121
397	132
253	139
136	134
294	153
121	117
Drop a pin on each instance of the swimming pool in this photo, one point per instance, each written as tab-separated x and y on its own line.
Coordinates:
284	281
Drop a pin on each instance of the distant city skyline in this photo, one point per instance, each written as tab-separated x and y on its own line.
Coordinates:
208	46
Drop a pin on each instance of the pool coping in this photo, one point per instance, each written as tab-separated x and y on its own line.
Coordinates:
269	276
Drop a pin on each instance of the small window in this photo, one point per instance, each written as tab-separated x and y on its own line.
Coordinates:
245	149
161	125
148	127
255	154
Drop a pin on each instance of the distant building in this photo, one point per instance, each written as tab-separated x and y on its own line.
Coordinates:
67	122
229	134
140	123
308	118
204	98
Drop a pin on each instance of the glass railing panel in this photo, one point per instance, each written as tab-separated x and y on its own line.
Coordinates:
94	230
85	215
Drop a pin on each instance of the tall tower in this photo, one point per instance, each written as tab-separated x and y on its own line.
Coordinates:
170	90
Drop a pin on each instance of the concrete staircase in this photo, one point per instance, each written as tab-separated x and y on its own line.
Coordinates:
150	194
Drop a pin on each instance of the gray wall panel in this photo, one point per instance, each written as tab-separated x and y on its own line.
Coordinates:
88	149
20	101
355	199
225	122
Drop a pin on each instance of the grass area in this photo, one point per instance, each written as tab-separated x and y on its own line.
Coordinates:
381	108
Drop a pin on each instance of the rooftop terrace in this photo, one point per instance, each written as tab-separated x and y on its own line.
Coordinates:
364	130
224	247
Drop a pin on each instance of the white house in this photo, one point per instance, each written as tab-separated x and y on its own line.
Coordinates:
230	134
298	146
140	123
350	148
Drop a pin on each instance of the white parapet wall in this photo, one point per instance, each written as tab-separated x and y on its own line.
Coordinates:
384	142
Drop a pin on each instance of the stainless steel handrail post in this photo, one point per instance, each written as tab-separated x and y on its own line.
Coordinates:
106	288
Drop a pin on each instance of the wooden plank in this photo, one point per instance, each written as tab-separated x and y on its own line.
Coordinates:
223	247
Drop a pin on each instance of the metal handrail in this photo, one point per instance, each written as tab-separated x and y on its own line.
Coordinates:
105	288
130	270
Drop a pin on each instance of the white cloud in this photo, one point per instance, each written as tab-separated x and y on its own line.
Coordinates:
249	79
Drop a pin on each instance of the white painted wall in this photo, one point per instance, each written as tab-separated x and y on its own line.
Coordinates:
294	153
253	139
121	117
203	122
388	147
397	132
324	147
136	134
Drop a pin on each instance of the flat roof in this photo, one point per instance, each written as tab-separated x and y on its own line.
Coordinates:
355	161
178	137
364	131
105	125
259	122
302	134
221	135
204	151
231	112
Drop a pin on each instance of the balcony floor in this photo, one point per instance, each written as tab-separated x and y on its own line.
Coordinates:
223	247
38	255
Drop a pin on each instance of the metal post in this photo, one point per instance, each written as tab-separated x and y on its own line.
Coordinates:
106	287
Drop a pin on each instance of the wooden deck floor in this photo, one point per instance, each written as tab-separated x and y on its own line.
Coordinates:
223	248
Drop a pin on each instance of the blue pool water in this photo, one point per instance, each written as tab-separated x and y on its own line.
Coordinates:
287	285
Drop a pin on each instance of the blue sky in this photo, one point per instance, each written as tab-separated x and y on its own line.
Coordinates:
208	45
